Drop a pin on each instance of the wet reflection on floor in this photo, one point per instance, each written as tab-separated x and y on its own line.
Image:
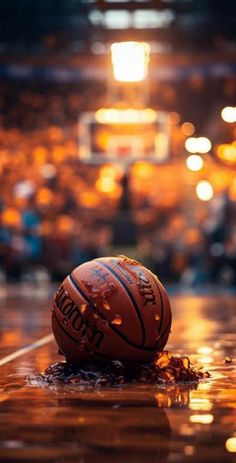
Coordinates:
174	423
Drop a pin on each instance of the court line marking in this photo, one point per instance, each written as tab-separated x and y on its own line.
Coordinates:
23	350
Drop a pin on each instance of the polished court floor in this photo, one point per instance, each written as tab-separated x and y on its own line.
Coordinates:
146	424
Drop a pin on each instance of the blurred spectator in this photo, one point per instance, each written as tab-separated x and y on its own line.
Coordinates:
54	214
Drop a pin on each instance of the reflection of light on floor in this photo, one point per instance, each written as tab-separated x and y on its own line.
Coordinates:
200	404
205	350
205	360
188	450
202	419
197	328
204	386
14	444
230	444
185	430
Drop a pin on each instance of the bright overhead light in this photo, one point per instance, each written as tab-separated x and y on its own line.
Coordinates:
130	61
228	114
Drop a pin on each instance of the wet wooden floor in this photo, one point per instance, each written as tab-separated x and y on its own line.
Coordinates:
145	424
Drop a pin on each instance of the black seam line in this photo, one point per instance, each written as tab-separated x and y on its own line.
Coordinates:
131	297
76	286
98	354
162	305
63	329
68	334
164	332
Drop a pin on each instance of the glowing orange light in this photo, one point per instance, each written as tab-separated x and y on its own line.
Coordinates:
44	196
143	170
232	190
40	154
55	133
220	179
89	199
227	153
230	444
187	128
113	171
11	217
58	153
188	450
200	404
65	224
106	184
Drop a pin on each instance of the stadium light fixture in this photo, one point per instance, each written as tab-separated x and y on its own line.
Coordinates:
130	61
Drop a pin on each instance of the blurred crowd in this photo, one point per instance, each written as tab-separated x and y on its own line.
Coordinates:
56	212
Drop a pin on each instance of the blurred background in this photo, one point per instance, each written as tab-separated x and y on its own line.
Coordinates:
110	148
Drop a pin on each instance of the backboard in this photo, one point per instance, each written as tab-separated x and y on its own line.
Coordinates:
123	136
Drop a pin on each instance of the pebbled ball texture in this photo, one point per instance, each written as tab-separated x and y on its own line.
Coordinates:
111	308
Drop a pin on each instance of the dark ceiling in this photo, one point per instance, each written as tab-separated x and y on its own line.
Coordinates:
74	25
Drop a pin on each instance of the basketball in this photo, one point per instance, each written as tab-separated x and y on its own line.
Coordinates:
111	308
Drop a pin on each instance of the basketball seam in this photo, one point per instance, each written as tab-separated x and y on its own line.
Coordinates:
96	352
164	332
162	305
68	334
77	287
63	329
131	298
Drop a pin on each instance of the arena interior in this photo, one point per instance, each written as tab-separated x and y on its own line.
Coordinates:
118	137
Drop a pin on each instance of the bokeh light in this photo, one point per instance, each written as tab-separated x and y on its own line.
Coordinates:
227	153
204	145
228	114
198	145
230	444
106	184
188	129
191	145
204	190
194	162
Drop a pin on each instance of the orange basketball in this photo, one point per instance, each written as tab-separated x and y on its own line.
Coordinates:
111	308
